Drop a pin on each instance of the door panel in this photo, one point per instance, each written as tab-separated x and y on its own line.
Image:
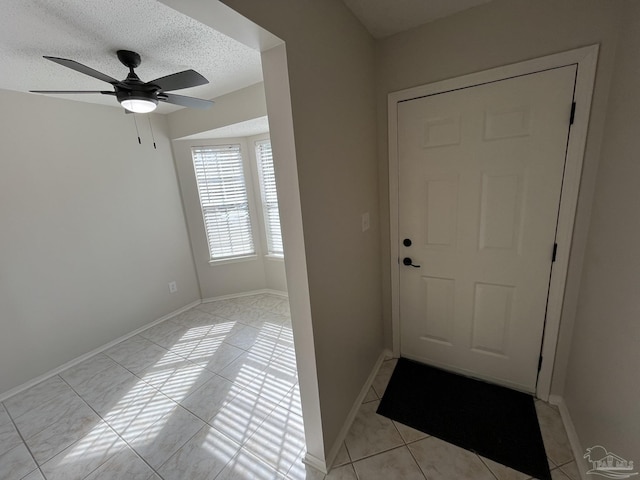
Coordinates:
480	175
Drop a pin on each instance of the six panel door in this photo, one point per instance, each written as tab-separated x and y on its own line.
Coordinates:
480	176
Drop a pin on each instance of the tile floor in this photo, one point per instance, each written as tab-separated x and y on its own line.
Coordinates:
213	394
379	448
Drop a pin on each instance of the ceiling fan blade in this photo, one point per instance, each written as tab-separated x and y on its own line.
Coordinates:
103	92
78	67
185	101
180	80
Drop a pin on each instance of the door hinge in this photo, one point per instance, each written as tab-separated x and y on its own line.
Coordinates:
573	113
540	363
555	252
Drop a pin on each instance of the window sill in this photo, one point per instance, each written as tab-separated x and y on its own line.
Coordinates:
225	261
276	258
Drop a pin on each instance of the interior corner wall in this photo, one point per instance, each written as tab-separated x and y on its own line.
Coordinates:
276	75
92	231
603	386
274	271
235	107
226	277
330	59
491	35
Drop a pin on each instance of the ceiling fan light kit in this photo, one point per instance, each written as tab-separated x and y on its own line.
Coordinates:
138	103
132	93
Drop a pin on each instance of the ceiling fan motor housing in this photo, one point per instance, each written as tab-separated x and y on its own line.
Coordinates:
128	58
122	94
144	92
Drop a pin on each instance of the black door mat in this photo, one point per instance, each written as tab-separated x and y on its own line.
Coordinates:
492	421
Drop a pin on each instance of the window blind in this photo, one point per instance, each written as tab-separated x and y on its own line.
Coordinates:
224	201
269	197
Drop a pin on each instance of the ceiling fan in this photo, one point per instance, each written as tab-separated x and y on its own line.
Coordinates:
133	94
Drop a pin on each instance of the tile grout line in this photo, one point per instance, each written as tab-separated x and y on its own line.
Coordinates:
106	423
139	377
286	347
406	444
242	389
558	467
487	466
24	442
170	456
351	462
119	436
286	474
386	450
178	404
417	463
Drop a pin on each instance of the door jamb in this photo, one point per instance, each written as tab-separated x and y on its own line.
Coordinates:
586	59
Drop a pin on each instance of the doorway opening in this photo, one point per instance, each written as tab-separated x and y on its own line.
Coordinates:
585	59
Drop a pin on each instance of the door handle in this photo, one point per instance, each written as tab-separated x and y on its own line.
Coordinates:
408	262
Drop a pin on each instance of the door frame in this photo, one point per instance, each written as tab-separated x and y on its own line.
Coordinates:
586	60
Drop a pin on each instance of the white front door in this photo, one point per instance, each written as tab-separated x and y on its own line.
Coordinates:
480	176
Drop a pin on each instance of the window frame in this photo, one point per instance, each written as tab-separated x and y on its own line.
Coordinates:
247	172
255	141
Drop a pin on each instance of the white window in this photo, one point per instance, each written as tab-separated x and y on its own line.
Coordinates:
269	197
223	197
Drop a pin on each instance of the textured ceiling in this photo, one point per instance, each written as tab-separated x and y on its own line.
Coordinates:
387	17
90	32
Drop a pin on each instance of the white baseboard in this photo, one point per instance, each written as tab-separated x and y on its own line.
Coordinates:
574	441
316	463
333	451
82	358
246	294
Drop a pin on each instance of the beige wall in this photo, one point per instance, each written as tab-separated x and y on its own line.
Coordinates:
330	61
235	107
598	353
495	34
603	386
276	74
92	231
